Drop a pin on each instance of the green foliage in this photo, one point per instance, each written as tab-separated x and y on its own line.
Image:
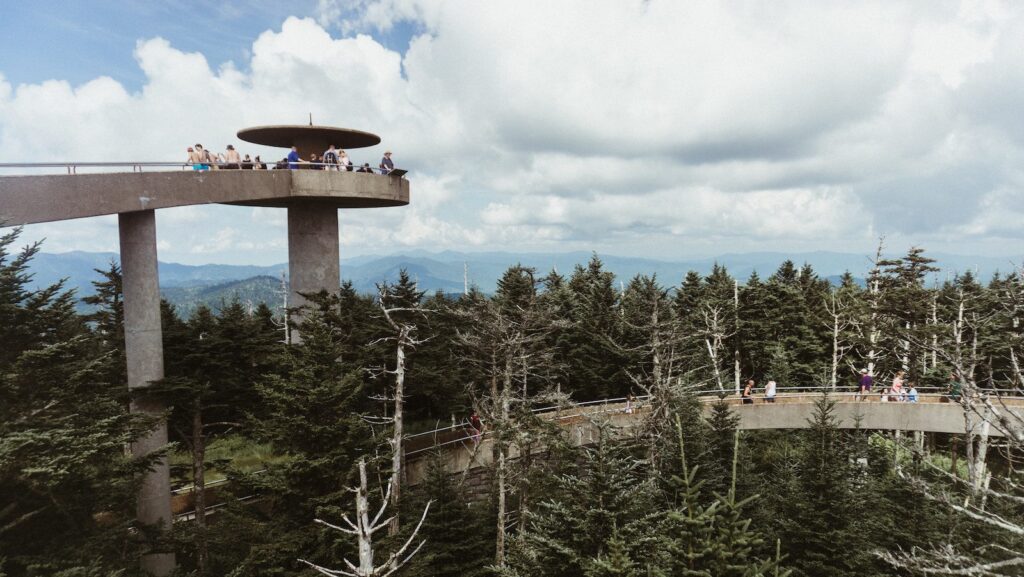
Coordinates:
310	412
824	511
457	542
687	496
607	497
66	485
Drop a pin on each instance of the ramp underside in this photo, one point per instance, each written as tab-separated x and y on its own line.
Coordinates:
48	198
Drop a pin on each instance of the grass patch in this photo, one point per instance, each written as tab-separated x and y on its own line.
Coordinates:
233	451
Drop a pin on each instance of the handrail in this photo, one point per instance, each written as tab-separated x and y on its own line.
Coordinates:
793	392
137	166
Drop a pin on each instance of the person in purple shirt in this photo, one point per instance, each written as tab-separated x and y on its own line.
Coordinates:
294	159
865	383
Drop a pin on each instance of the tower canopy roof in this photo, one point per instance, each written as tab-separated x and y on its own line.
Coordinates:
308	138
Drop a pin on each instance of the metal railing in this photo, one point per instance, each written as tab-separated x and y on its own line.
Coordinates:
704	396
612	405
138	166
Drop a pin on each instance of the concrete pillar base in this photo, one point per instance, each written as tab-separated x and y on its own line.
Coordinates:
313	253
145	359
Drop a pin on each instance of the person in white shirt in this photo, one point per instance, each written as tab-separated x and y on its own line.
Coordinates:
330	157
344	161
769	392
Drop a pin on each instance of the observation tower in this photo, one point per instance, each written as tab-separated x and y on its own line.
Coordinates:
135	190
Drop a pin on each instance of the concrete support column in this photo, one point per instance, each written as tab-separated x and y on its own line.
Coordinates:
145	356
313	252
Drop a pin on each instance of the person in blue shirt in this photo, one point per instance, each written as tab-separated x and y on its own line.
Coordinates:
294	159
912	394
386	165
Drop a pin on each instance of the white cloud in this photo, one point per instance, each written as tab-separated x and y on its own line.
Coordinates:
591	124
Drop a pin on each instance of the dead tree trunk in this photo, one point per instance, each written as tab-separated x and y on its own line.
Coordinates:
714	337
502	468
736	351
397	438
364	529
838	324
875	294
404	341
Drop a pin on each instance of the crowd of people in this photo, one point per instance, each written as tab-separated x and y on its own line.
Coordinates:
331	159
899	391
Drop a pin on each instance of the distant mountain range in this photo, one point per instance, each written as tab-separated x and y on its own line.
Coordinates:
186	285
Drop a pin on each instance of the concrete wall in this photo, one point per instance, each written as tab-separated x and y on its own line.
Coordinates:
32	199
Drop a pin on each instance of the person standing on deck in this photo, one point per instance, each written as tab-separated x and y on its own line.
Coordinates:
748	393
294	159
897	386
386	165
864	385
331	158
231	159
769	392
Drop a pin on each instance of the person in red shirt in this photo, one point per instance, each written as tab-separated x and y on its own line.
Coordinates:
478	427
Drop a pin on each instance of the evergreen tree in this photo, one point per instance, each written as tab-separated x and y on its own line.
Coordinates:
107	322
798	352
606	502
711	539
822	521
906	307
595	367
758	337
311	412
616	562
209	386
66	485
457	539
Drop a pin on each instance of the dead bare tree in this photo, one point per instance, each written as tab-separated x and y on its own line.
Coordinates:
364	528
399	319
874	301
506	342
714	334
984	411
839	321
660	374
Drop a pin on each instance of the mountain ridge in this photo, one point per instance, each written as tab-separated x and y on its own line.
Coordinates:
444	270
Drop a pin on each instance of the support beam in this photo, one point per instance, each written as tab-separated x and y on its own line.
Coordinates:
313	253
145	357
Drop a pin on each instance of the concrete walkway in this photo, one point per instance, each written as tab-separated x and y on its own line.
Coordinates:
932	413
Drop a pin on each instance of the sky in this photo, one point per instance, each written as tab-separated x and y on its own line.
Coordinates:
655	128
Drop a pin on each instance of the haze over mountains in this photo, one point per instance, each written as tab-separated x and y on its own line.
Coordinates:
187	285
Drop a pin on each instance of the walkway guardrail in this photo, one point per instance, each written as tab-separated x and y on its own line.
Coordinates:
704	395
612	405
138	166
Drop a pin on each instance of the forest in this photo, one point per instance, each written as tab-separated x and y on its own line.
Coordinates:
276	425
